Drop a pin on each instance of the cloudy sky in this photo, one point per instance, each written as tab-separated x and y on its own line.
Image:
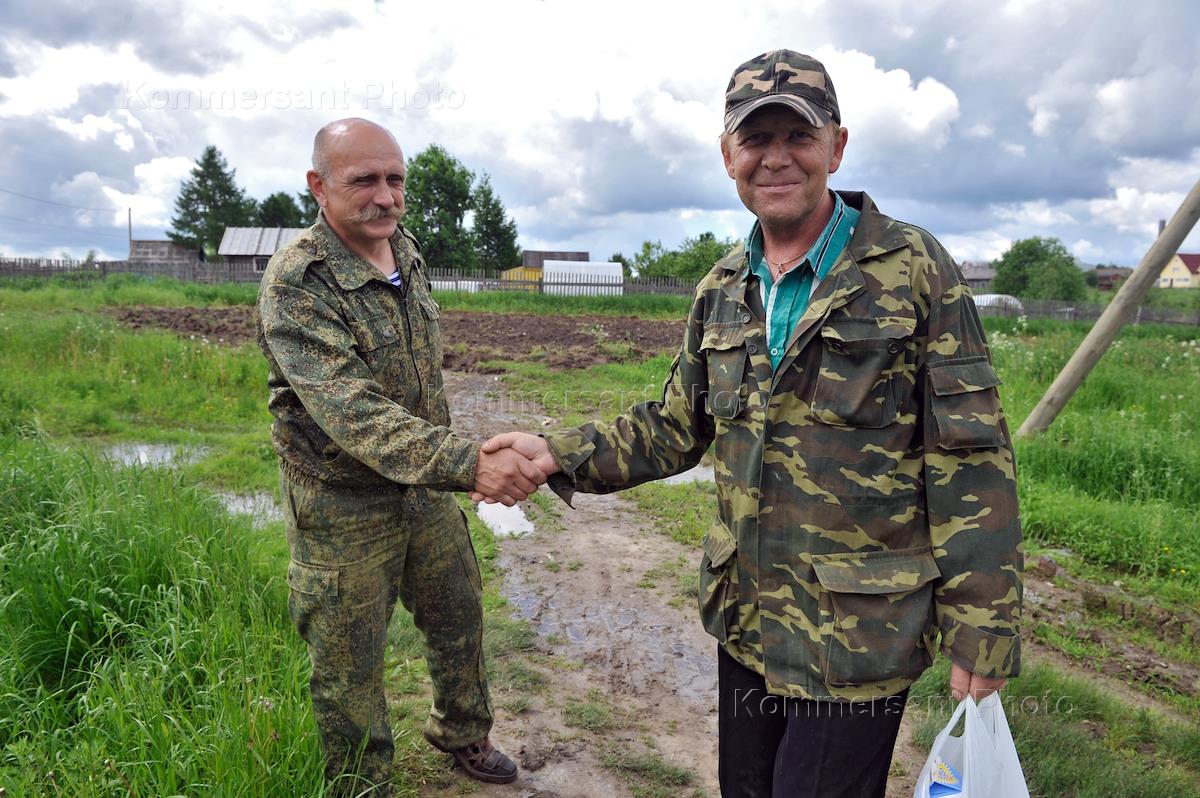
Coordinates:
984	121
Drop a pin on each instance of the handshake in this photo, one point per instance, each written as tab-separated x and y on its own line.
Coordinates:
510	467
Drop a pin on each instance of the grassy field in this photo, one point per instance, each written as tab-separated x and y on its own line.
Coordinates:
129	594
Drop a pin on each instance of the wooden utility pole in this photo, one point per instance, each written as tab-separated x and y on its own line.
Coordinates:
1101	336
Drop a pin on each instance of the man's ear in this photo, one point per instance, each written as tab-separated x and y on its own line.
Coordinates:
726	155
316	186
838	149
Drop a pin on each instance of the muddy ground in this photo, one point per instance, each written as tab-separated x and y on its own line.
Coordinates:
472	339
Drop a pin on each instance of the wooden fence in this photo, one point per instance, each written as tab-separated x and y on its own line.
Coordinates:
185	271
476	282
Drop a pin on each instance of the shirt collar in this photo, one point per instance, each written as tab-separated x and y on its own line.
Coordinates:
818	256
351	271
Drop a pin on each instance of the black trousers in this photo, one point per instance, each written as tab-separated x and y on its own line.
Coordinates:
776	747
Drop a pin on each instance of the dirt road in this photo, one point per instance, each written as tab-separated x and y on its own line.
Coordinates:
629	695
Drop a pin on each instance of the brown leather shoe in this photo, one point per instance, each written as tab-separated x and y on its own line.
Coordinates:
484	762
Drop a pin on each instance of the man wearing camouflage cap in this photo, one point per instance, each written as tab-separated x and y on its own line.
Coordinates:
867	508
351	335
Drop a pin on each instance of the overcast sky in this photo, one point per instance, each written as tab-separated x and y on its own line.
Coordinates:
983	121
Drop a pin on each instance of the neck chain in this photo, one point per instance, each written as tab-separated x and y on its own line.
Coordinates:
780	263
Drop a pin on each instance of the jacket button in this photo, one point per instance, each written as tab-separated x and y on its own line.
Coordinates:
751	348
894	348
836	346
745	318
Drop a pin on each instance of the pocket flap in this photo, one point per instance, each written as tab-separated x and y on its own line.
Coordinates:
723	337
963	377
876	571
719	544
374	332
315	580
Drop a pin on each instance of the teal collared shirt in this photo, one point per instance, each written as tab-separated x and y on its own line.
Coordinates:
786	301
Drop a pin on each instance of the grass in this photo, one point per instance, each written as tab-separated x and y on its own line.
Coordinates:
646	774
73	293
144	638
592	714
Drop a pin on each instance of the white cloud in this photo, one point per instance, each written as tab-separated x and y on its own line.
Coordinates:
152	201
1085	250
979	131
1012	148
981	245
1043	119
1036	213
884	110
1131	210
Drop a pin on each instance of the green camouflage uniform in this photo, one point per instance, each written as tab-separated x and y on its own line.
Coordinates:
866	489
362	432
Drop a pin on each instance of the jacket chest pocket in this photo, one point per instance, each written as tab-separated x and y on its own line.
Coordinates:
860	363
724	350
876	614
382	346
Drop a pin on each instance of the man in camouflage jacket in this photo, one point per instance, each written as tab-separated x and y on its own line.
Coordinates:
867	508
350	332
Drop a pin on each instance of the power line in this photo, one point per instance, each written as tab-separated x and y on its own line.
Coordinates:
59	204
65	229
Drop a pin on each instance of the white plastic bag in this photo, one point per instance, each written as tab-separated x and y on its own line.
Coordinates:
982	763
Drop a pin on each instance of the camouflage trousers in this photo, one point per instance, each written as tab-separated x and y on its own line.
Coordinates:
353	554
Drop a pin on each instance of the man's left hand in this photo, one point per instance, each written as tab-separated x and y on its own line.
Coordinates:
962	682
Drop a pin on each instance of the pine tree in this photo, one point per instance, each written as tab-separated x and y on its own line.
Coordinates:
209	202
437	197
495	233
280	210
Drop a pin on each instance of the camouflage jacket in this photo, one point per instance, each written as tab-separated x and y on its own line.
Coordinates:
866	489
355	368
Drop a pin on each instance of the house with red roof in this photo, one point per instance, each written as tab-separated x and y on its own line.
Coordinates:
1181	271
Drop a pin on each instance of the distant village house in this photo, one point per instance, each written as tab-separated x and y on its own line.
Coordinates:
246	250
1181	271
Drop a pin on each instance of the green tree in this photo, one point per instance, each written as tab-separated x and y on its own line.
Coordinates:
494	232
691	261
208	202
626	265
308	207
437	197
280	210
1039	268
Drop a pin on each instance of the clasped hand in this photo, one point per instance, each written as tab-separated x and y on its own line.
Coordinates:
510	468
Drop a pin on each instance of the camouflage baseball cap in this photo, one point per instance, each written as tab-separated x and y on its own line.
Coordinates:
786	77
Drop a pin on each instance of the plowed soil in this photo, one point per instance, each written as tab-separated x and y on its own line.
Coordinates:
471	339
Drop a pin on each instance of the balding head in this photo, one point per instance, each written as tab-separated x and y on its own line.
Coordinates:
339	134
358	180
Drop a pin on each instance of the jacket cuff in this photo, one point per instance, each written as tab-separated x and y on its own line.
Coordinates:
995	656
461	457
570	450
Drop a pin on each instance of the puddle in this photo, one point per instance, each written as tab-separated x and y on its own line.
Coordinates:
505	522
701	473
261	507
152	454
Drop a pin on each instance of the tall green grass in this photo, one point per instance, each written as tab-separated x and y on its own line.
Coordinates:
145	647
121	289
